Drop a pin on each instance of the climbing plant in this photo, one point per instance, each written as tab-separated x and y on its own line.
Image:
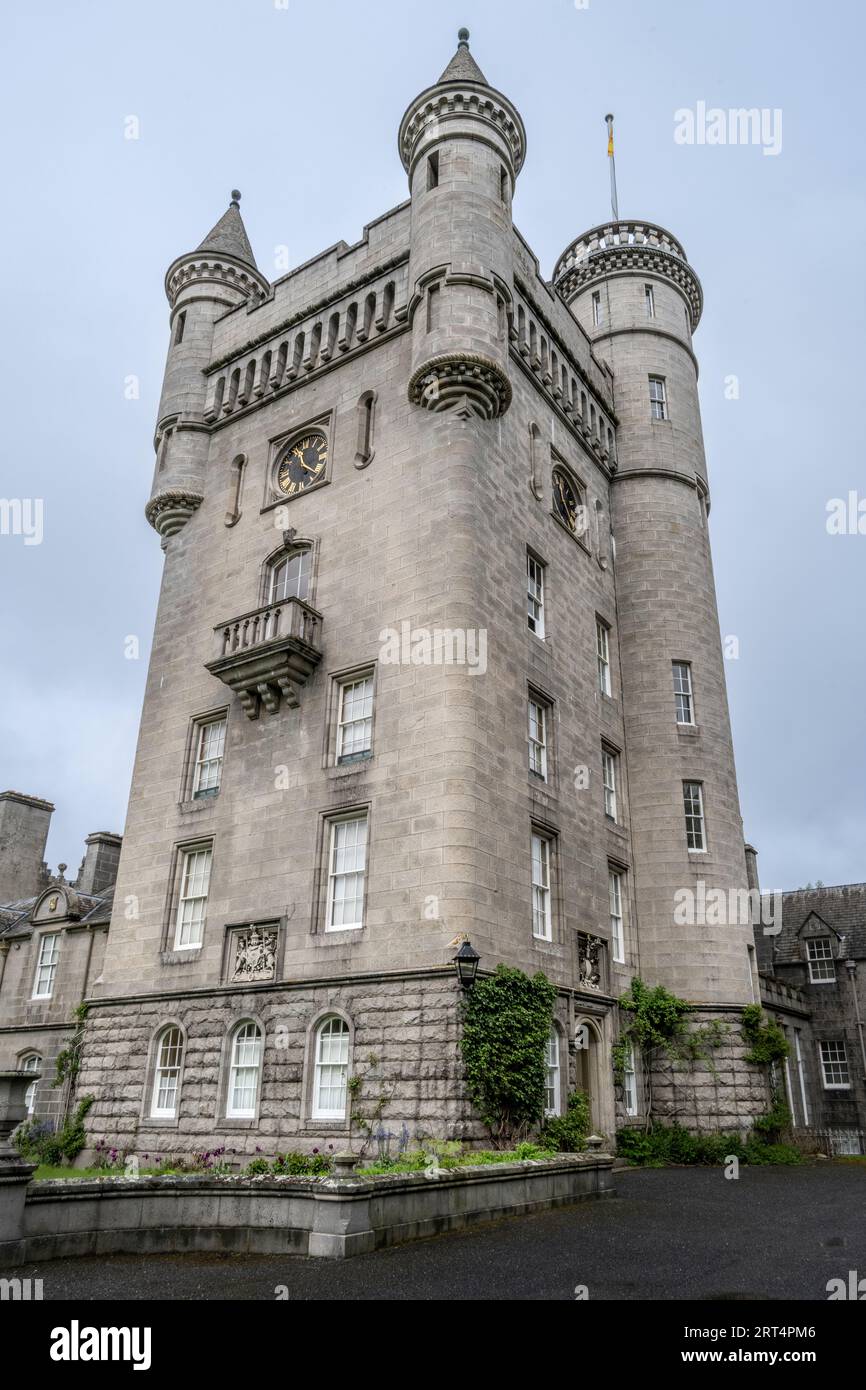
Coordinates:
655	1026
506	1025
767	1046
68	1062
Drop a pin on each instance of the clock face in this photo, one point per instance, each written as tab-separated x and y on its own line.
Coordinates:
303	464
565	502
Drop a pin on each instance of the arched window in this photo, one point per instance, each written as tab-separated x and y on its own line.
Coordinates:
290	576
552	1090
244	1072
331	1070
166	1075
32	1062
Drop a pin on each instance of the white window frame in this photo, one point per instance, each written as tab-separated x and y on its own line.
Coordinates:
534	594
301	587
617	920
347	729
542	911
629	1083
825	960
840	1061
242	1066
602	651
342	1034
597	312
649	301
190	877
695	820
31	1062
208	760
170	1069
336	829
46	965
538	711
684	703
609	779
658	398
553	1080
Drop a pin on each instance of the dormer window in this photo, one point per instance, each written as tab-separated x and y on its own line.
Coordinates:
822	966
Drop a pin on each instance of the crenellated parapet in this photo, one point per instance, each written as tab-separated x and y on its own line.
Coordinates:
627	248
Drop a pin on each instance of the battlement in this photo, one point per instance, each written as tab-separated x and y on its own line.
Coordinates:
627	247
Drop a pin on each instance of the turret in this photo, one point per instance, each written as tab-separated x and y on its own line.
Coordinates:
201	286
462	144
631	287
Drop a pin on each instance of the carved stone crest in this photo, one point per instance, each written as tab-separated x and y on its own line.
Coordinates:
589	961
254	954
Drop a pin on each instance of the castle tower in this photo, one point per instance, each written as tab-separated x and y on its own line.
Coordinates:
462	144
201	286
630	286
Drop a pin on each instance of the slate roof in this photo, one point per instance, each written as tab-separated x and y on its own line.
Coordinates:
96	908
229	237
843	908
463	68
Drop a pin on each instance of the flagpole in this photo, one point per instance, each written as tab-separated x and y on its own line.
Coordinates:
614	206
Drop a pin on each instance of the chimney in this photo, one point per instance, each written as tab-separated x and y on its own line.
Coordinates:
99	866
24	823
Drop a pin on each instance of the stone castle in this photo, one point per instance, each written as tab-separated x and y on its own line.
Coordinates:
436	662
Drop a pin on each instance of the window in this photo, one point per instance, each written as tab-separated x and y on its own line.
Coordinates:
609	763
46	969
596	308
290	577
683	692
166	1076
552	1101
244	1068
347	862
649	300
181	325
834	1065
32	1062
602	647
693	804
658	398
535	595
617	938
822	966
366	416
538	714
504	184
209	746
433	171
542	922
629	1083
331	1070
355	719
195	864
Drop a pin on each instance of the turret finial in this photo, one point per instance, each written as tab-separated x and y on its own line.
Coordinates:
463	38
236	198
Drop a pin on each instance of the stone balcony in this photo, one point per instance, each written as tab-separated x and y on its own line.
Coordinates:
268	654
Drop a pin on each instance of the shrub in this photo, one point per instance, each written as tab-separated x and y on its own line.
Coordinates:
567	1133
664	1144
39	1142
506	1026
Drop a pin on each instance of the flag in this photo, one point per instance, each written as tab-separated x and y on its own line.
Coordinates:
610	139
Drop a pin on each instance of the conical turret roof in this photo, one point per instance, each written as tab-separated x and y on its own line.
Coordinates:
463	67
229	236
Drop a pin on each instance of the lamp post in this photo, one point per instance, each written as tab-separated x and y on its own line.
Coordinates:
466	964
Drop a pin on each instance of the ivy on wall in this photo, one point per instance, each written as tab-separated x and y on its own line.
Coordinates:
506	1025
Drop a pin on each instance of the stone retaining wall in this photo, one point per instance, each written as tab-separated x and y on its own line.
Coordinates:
329	1217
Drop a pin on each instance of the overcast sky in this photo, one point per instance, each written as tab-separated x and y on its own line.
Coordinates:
298	105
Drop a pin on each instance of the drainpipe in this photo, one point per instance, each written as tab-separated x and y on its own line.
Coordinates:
851	967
